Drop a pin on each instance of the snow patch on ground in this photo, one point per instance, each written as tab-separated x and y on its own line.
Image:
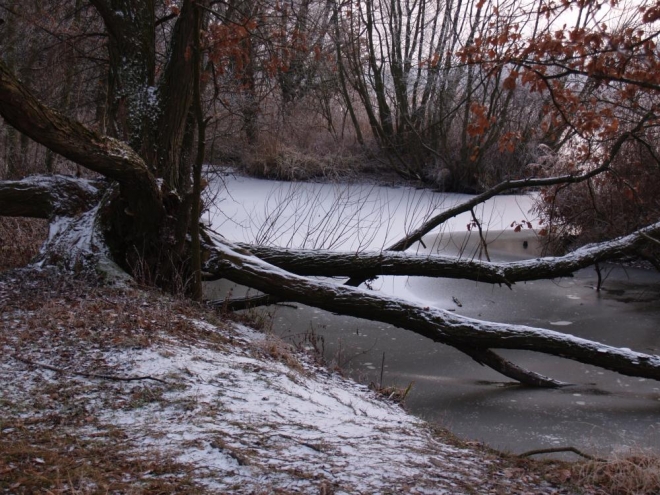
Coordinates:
249	423
235	410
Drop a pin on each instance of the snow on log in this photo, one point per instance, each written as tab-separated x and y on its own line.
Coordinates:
45	196
239	266
110	157
369	265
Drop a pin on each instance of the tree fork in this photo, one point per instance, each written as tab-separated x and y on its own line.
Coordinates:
107	156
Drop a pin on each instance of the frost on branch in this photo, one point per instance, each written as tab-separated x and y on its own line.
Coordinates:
473	337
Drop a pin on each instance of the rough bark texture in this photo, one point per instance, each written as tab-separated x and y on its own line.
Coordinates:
48	196
235	264
175	93
132	55
369	265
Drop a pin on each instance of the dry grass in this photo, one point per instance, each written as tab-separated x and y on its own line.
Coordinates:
637	474
20	240
287	163
301	144
277	349
41	459
52	441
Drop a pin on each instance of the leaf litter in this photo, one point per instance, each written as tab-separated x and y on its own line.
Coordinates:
202	405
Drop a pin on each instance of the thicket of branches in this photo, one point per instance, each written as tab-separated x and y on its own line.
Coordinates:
289	82
440	91
499	98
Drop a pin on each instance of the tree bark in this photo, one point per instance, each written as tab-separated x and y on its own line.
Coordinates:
466	334
132	69
48	196
369	265
175	93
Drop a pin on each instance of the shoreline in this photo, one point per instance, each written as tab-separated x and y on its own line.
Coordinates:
234	409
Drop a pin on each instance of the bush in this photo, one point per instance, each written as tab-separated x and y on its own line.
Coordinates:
612	204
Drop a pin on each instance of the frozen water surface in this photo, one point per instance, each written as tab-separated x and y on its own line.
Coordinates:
601	412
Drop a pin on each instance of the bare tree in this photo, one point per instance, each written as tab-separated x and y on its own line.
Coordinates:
454	125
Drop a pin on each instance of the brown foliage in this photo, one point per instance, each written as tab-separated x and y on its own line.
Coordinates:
635	474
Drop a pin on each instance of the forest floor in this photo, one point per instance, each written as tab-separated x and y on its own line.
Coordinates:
127	390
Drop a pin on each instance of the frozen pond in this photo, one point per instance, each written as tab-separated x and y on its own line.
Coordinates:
602	411
339	216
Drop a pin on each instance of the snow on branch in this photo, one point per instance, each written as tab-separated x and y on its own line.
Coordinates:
463	333
368	265
44	196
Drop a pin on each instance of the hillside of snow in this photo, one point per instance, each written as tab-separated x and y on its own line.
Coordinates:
122	390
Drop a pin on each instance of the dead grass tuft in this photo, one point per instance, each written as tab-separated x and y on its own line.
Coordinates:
20	240
35	460
277	349
393	393
637	474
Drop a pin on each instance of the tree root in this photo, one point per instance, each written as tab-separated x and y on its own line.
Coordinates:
554	450
86	375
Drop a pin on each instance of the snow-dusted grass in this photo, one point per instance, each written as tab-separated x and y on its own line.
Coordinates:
199	405
246	422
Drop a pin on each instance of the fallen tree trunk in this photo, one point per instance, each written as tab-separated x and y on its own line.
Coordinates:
44	196
465	334
369	265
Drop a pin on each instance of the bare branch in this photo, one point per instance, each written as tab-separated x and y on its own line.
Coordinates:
369	265
437	325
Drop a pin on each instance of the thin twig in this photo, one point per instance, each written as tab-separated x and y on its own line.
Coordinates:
482	240
649	238
86	375
554	450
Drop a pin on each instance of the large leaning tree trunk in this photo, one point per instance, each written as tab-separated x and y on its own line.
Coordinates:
146	208
142	213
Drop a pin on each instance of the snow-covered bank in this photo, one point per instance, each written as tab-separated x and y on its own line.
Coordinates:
217	406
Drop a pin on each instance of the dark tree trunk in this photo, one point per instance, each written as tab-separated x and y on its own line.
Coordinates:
473	337
146	220
132	67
